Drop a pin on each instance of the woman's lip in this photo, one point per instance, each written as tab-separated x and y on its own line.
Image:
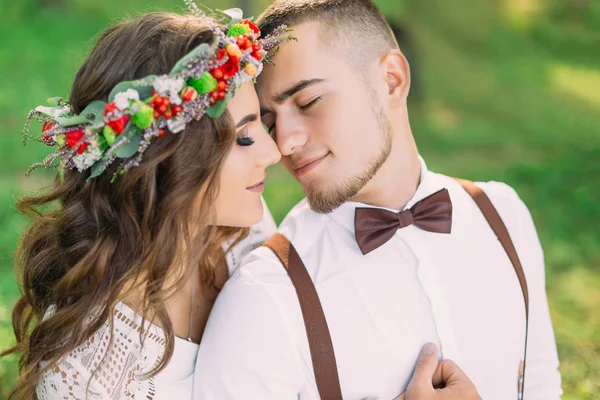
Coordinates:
308	167
259	187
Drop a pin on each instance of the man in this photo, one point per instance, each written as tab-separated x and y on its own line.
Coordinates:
336	105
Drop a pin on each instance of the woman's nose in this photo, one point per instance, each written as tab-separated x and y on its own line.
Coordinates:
269	153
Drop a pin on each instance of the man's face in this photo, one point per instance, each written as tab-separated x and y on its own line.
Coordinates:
327	121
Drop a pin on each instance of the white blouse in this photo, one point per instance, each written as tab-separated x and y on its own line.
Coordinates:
91	371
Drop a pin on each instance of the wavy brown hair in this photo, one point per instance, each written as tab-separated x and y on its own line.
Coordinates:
90	242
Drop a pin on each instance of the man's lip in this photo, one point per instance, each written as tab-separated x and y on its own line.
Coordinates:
306	165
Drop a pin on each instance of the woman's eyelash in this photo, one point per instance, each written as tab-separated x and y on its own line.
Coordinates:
311	104
244	140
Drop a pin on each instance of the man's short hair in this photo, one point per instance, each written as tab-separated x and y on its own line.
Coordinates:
355	29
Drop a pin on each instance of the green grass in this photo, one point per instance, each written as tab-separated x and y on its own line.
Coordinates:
510	92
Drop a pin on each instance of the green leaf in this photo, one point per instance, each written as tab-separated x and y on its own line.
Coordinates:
54	101
144	90
236	15
218	109
180	66
98	168
62	116
55	112
94	112
72	121
133	136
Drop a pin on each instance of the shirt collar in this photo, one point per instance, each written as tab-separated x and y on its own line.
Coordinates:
344	214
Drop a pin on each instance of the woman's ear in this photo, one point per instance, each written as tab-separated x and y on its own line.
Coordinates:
397	77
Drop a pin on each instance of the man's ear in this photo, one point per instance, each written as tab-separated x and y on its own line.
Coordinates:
397	76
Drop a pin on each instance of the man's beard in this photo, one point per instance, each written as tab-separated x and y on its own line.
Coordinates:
327	200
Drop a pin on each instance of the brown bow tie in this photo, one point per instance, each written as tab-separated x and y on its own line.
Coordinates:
374	226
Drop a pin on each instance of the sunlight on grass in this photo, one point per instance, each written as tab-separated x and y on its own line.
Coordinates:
444	117
521	13
575	297
578	82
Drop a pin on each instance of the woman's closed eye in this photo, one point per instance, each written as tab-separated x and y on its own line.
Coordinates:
243	139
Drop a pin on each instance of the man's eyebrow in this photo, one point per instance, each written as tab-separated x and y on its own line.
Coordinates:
295	88
246	119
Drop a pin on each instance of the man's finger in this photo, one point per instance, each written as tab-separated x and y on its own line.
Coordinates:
447	373
426	366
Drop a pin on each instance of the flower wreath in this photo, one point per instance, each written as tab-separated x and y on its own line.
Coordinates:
139	111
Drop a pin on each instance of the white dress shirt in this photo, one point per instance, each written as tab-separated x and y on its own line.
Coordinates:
458	290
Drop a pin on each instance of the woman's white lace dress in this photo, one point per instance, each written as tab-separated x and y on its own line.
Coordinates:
83	375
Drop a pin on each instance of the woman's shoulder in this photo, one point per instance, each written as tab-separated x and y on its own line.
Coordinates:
258	234
110	364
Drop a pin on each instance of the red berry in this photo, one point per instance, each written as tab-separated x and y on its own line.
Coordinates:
258	55
240	42
119	125
156	114
218	73
256	47
189	94
222	85
162	109
110	107
166	101
213	102
81	148
47	126
74	137
221	95
176	109
169	114
247	44
214	94
161	132
157	101
226	77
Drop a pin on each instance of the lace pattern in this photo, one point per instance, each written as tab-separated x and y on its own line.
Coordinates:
115	373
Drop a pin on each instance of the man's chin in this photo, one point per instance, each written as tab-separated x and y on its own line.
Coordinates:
325	201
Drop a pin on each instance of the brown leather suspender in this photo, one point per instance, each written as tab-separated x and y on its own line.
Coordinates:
495	221
319	338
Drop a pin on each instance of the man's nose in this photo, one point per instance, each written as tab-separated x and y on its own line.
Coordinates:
290	136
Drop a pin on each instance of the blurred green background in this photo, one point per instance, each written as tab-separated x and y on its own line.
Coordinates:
504	90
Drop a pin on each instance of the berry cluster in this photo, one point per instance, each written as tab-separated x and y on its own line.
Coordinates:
201	83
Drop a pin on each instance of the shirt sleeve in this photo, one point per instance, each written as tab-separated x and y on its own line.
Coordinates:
542	377
246	351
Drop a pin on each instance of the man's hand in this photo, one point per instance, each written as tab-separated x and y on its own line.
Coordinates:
429	375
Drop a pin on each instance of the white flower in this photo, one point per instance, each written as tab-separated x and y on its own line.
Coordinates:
89	157
166	86
174	97
122	99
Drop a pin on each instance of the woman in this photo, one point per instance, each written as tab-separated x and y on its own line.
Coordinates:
163	168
